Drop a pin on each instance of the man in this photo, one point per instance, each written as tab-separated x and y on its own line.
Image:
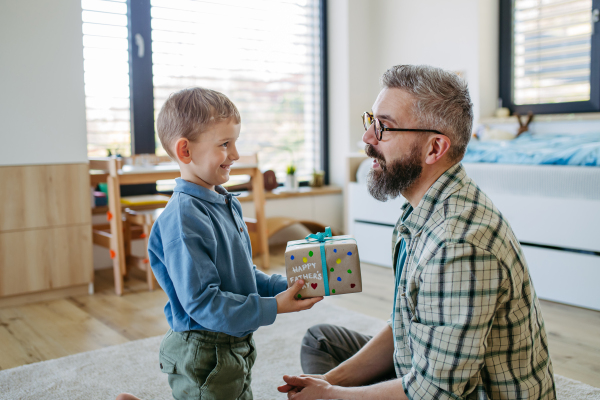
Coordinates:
466	320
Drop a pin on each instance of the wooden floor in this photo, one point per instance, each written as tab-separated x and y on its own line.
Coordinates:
59	328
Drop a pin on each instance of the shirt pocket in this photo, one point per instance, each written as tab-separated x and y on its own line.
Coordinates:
408	306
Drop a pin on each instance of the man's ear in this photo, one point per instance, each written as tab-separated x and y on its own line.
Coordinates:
182	150
438	146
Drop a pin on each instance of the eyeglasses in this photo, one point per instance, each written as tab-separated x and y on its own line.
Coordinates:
368	120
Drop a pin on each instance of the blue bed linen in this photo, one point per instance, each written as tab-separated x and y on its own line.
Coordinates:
557	149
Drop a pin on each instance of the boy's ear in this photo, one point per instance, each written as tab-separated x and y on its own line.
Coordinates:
182	150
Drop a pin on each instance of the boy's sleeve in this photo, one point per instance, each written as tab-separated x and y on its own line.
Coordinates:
269	285
190	264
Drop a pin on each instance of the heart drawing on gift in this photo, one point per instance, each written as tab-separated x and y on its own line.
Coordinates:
314	285
352	285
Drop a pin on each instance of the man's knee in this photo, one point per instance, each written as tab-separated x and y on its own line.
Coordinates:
316	355
316	334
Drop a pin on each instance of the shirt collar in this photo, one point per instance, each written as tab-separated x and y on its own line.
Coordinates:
219	196
448	183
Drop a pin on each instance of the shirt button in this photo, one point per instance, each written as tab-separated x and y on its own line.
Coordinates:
241	229
161	367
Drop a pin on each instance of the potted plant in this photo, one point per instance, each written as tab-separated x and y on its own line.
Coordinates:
291	182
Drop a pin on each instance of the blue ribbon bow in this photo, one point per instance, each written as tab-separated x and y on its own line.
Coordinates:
322	237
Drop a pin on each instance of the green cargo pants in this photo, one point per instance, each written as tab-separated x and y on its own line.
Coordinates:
208	365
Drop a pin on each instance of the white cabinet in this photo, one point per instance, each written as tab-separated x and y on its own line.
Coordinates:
564	276
374	243
372	224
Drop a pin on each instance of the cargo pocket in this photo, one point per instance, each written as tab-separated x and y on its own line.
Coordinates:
167	365
176	360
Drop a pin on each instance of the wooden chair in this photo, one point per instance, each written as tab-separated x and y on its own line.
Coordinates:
134	225
113	172
144	219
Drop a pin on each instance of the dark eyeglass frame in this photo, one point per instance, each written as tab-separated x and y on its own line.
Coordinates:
369	119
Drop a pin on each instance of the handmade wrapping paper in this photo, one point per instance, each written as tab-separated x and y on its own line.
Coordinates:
303	260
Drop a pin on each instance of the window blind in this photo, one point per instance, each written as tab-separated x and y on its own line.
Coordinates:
106	76
552	48
263	54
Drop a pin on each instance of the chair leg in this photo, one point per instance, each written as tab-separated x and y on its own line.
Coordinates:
149	274
126	245
261	220
116	229
150	278
118	277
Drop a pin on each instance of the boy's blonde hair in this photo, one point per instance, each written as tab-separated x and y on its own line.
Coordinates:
189	112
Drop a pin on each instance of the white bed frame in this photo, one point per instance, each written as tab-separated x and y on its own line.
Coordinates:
553	210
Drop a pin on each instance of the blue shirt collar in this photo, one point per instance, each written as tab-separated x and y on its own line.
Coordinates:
201	192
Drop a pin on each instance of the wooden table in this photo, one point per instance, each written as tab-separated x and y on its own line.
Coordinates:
117	174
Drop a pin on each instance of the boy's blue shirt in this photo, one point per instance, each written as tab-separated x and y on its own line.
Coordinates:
200	253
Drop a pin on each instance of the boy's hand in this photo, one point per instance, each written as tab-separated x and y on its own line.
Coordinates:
288	302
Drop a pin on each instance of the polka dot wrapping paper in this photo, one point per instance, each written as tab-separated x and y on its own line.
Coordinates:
303	260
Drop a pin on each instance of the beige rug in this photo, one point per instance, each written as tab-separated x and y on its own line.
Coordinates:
133	367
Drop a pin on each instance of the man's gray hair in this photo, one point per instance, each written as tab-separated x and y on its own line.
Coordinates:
442	101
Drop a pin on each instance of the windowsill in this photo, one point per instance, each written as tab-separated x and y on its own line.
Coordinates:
281	193
595	116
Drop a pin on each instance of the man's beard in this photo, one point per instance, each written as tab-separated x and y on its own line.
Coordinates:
395	177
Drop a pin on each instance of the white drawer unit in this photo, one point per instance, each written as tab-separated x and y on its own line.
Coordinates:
364	207
372	224
374	243
564	276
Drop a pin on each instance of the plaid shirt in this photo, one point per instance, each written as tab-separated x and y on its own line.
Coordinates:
467	320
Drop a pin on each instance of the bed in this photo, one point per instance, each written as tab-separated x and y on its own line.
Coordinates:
549	149
548	187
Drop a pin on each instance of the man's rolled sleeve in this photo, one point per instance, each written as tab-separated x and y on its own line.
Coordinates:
453	312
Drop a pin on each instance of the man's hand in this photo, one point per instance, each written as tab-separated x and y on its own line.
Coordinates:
290	389
307	387
288	302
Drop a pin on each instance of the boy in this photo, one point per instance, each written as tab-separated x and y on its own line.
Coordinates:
200	253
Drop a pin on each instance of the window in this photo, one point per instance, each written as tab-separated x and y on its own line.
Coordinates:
549	56
106	77
265	55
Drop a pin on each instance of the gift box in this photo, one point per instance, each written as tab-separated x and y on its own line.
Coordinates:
329	265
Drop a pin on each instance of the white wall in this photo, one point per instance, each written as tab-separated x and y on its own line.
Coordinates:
455	35
366	37
364	75
42	100
353	82
338	88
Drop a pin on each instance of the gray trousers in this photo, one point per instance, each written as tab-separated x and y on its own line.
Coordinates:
326	346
